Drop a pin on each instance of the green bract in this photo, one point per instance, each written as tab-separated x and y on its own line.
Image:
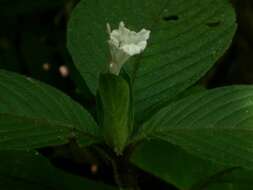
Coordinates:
114	105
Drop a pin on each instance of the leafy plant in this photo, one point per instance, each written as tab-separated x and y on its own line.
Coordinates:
150	111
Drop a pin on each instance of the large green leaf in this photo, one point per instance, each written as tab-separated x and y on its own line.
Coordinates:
33	115
173	165
229	186
21	170
238	179
187	38
185	171
215	125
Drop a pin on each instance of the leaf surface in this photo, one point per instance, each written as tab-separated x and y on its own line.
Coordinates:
34	115
27	170
215	125
187	38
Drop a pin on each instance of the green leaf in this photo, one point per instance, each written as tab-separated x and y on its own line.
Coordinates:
21	170
34	115
215	125
229	186
190	91
222	186
238	176
188	172
173	165
231	179
114	98
187	38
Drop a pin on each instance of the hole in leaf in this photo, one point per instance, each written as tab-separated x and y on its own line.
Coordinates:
170	18
213	23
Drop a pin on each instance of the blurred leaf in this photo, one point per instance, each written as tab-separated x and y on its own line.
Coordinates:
21	170
36	52
214	125
187	38
8	56
39	54
9	59
34	115
17	7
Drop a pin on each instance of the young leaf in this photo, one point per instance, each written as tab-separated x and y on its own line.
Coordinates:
114	96
215	125
187	38
22	170
34	115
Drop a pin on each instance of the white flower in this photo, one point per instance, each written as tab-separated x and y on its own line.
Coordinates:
125	43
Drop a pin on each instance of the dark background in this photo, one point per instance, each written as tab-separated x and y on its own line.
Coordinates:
33	43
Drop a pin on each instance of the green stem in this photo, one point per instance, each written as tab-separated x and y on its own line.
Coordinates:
124	175
117	175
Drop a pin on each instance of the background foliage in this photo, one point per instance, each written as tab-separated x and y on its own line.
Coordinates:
33	42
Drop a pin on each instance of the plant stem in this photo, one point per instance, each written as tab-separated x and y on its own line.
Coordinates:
117	175
124	174
123	171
